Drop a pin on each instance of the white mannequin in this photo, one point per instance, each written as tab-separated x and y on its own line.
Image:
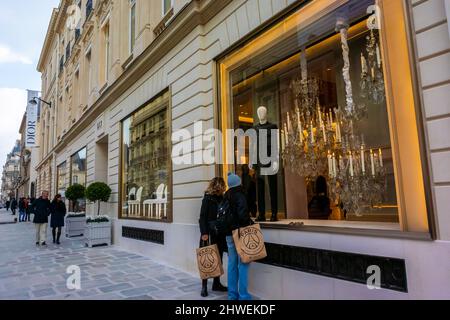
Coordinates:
262	117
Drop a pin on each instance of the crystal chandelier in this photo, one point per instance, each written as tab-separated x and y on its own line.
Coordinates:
317	142
372	77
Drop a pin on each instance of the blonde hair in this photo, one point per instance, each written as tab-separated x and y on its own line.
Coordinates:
217	187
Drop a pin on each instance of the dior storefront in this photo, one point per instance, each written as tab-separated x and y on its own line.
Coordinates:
354	190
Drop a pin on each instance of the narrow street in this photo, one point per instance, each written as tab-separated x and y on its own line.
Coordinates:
28	272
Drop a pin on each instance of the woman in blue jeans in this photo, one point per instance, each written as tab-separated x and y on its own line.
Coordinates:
237	271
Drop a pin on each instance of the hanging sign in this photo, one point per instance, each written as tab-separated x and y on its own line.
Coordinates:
31	126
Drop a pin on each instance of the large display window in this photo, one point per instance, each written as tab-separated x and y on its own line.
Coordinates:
78	173
330	79
62	178
146	163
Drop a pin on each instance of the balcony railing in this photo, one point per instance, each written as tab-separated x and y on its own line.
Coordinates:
68	51
61	64
77	34
89	7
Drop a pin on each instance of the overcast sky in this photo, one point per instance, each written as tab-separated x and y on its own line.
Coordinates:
23	25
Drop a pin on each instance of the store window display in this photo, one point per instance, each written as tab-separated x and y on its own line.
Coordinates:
323	86
146	190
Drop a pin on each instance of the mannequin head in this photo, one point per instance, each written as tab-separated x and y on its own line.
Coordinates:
262	115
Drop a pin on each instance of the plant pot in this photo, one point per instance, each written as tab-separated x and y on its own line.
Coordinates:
98	234
75	226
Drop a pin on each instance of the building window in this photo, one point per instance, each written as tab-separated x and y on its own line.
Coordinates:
167	5
61	178
107	48
340	147
146	178
132	26
78	168
89	70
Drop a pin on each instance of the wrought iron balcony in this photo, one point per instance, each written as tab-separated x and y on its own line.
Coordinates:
89	8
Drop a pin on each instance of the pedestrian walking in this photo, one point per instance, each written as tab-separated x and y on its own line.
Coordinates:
8	204
29	208
13	206
41	209
237	270
208	215
22	210
59	211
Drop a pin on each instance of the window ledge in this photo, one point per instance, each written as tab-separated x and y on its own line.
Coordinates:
368	229
128	61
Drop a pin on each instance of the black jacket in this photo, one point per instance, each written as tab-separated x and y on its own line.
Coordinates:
239	208
208	212
14	204
59	211
41	209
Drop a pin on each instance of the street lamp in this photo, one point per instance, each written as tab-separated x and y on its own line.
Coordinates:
35	100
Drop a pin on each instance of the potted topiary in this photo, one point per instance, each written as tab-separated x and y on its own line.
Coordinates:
75	221
98	229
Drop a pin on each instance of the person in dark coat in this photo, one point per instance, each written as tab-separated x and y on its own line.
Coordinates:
13	206
208	215
59	211
29	208
8	204
22	214
41	209
237	270
249	187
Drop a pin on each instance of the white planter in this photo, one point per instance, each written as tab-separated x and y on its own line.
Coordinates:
98	234
75	226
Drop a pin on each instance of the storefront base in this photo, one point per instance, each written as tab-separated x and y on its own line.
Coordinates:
426	263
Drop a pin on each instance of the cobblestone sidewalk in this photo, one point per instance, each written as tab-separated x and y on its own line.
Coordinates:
28	272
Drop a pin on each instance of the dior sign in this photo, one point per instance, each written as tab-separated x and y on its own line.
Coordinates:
31	126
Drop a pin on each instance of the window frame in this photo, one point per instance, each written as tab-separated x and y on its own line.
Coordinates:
170	216
164	11
131	26
71	166
64	163
418	106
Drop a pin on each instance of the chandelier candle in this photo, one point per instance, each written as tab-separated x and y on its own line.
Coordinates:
372	162
363	64
352	172
330	164
381	158
378	56
363	160
334	166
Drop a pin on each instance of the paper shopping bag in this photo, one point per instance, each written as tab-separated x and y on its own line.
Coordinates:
249	242
209	262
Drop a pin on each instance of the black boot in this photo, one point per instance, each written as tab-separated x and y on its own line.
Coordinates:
274	218
54	235
204	292
217	286
58	237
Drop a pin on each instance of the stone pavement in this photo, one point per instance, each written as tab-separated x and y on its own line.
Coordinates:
28	272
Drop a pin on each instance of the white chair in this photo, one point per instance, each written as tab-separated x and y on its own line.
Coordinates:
161	198
135	204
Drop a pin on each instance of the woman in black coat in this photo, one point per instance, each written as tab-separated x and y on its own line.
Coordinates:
59	211
208	215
